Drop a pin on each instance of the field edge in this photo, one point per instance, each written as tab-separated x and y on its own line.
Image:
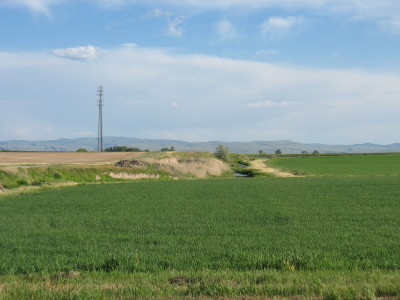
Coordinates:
205	284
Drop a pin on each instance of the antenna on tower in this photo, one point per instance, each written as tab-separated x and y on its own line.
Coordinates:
100	124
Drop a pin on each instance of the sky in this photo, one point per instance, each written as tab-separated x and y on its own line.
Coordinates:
311	71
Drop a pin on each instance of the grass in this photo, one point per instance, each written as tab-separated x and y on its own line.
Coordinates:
40	176
388	164
264	284
328	237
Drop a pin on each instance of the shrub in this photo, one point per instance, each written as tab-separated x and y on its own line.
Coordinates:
222	151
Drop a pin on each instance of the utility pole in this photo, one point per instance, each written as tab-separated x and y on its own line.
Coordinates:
100	125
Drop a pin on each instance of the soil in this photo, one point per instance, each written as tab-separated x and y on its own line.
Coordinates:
132	176
27	158
259	164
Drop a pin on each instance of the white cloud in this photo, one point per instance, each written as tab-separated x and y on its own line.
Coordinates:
210	92
83	53
173	27
269	103
278	26
392	25
173	23
36	6
225	30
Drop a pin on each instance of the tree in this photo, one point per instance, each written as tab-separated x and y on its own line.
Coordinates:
81	150
168	149
304	152
278	151
222	152
261	152
122	149
315	152
134	149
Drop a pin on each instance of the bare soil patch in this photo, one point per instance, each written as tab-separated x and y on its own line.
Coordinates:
260	165
198	167
27	158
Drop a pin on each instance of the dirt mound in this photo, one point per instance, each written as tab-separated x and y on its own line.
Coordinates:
130	163
2	188
198	167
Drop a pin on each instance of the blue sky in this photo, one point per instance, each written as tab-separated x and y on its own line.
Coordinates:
324	71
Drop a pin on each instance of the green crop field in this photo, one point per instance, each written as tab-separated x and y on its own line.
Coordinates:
329	237
388	164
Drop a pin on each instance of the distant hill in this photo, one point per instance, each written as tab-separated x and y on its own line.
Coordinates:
237	147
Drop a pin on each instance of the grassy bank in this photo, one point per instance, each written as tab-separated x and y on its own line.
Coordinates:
15	177
161	165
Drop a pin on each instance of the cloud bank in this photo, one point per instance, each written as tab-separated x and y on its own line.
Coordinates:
152	93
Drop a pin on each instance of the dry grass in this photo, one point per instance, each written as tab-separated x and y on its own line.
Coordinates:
29	189
198	167
132	176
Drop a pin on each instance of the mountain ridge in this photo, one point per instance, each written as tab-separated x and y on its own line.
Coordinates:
286	146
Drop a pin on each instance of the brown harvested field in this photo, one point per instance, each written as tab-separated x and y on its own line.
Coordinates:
28	158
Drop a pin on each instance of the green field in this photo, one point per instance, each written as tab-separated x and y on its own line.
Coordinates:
330	237
388	164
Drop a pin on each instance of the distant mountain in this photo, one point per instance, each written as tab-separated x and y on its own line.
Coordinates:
237	147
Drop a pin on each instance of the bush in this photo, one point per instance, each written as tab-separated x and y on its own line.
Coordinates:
222	152
81	150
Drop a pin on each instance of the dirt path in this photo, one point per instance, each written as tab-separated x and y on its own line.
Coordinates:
260	165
